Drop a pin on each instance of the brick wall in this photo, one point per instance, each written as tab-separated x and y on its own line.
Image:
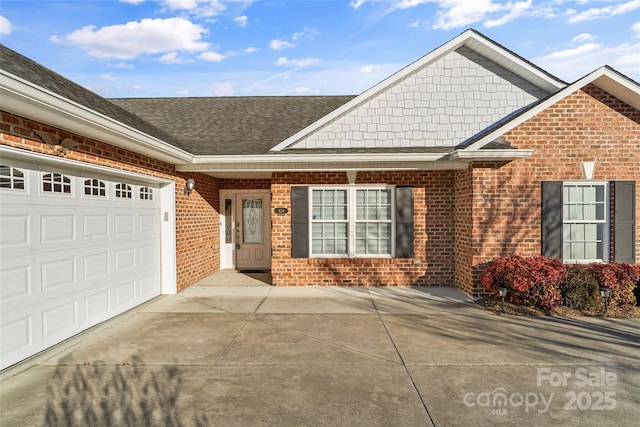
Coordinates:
433	263
589	125
196	215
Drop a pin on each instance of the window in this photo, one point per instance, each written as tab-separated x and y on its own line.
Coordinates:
11	177
351	222
228	221
146	193
56	183
95	187
589	221
123	191
584	222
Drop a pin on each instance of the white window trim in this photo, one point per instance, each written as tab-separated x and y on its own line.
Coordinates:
606	241
13	179
351	220
52	193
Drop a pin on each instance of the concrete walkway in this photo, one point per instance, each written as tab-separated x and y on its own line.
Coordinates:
260	356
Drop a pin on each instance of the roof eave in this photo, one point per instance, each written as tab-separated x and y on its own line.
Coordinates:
23	98
491	155
606	78
472	40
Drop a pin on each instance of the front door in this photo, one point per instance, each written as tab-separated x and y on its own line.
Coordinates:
253	231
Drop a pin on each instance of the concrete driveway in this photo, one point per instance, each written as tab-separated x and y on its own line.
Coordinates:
260	356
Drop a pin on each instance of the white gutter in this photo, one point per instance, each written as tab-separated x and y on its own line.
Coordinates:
491	155
321	158
20	97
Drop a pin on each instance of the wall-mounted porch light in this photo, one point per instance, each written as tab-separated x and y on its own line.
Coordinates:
189	186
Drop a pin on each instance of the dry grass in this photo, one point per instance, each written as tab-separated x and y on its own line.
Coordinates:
520	310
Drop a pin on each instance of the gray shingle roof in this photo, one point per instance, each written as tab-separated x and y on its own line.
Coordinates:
23	67
232	125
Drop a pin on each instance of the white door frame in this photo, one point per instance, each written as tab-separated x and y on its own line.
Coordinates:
229	243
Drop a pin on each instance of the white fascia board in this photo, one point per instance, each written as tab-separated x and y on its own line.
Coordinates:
322	167
46	159
25	99
598	77
321	158
491	155
469	38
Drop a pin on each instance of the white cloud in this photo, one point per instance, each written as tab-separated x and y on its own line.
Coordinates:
357	3
122	66
307	32
419	23
212	56
251	50
571	64
202	8
305	90
516	10
171	58
183	92
299	63
223	89
277	44
636	29
584	37
573	52
108	76
5	26
605	12
149	36
460	13
132	1
241	21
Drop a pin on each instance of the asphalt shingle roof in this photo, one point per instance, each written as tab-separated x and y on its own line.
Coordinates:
232	125
23	67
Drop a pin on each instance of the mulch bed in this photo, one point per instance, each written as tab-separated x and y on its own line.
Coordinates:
520	310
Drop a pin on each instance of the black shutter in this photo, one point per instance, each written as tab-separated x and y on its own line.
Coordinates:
404	222
624	224
552	219
299	222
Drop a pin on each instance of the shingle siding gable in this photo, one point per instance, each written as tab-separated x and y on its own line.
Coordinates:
441	105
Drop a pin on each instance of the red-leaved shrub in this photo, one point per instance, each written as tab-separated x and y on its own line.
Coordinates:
620	278
530	281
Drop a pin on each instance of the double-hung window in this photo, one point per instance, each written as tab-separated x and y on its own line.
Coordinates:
585	221
351	222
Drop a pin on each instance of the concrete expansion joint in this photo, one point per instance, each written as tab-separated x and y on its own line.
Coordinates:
404	365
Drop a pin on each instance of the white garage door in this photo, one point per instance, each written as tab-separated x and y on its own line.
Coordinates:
76	248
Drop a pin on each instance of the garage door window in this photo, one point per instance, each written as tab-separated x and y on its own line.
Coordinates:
146	193
123	191
56	183
95	187
11	177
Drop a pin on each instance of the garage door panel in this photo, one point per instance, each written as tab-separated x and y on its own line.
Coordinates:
73	260
14	229
60	321
97	306
15	280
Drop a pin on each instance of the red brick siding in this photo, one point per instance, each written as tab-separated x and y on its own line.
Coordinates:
433	263
589	125
196	215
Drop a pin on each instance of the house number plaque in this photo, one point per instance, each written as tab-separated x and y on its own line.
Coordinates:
281	211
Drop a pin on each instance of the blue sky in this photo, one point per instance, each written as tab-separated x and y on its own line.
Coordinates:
139	48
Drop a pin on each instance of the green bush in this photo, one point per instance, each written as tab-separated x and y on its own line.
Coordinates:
580	289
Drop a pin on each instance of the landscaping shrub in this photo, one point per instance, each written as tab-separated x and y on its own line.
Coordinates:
530	281
636	292
580	290
620	278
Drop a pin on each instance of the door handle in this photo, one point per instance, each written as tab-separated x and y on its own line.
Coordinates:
237	245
